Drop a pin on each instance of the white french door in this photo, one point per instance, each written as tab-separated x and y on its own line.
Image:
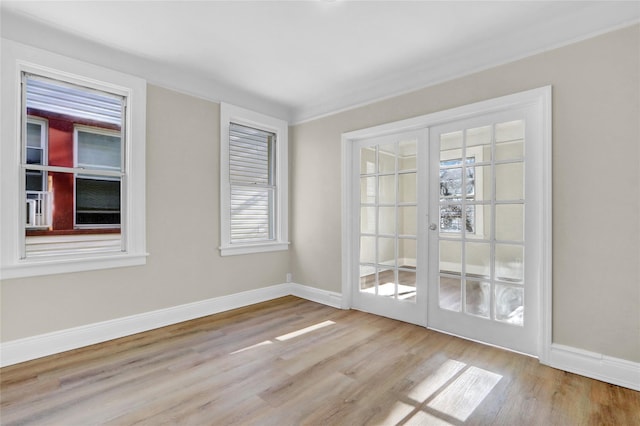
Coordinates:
390	244
483	277
449	226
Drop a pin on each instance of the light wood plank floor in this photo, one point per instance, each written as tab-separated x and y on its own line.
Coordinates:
291	361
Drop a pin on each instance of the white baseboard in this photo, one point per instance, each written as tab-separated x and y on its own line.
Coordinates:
324	297
20	350
596	366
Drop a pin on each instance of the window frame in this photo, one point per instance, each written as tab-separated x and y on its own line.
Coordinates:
18	59
234	114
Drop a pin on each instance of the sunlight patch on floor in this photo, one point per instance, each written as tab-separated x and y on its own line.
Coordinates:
304	331
465	393
257	345
429	386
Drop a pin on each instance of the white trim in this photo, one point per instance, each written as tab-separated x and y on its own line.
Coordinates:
21	350
594	365
329	298
231	113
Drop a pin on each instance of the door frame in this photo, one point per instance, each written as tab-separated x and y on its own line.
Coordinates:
540	100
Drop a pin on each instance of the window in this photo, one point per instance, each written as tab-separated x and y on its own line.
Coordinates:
75	198
451	217
253	182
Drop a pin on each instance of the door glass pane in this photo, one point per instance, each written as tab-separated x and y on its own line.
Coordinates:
407	151
386	251
451	220
407	188
407	252
450	257
387	220
483	184
480	222
368	160
509	304
367	277
368	220
510	140
387	282
367	249
510	181
510	222
387	158
478	298
478	260
450	293
368	190
479	136
407	220
407	284
387	189
509	262
451	145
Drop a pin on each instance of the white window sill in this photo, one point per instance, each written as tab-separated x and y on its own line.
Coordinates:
32	268
253	248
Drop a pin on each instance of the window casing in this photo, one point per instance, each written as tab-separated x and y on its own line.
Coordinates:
29	166
253	176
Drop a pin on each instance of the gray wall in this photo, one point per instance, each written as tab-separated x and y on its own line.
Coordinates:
596	197
183	137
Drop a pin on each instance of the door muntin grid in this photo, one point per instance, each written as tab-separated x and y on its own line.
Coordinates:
388	220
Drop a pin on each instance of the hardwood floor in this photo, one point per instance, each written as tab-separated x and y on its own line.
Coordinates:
291	361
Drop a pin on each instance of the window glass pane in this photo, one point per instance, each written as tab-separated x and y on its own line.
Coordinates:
99	151
482	183
35	181
251	209
250	155
97	201
478	219
34	156
452	220
34	135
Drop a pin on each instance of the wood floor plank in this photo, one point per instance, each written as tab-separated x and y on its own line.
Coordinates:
294	362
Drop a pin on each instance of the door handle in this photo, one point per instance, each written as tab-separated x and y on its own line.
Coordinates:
433	227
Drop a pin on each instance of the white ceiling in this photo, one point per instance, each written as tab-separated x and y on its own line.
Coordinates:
309	58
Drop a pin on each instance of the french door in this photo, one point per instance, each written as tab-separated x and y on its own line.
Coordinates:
391	246
483	275
449	226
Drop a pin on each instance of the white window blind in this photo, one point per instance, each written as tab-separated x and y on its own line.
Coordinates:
251	175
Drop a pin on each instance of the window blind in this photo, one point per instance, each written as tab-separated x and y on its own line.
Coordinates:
251	174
